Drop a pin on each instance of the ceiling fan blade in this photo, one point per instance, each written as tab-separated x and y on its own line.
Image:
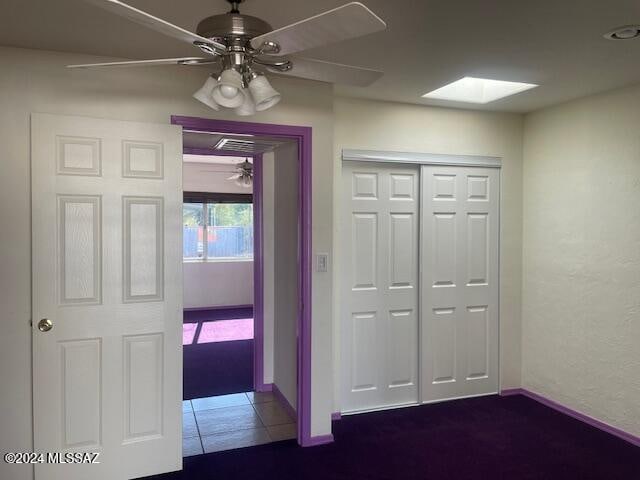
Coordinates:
155	23
235	177
348	21
331	72
148	63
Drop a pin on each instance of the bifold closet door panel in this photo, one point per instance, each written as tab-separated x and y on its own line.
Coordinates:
379	285
459	281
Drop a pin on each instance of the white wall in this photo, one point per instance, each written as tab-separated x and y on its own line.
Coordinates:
285	271
371	125
36	81
215	284
268	261
581	302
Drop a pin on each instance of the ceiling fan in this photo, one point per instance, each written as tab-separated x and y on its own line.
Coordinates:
244	174
241	48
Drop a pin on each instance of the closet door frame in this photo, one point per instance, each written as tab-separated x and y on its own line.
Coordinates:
420	158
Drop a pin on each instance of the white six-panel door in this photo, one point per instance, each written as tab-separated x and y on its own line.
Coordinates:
459	281
107	272
379	334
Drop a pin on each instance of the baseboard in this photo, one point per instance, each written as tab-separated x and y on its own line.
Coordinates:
264	387
512	391
318	440
217	307
311	441
379	409
605	427
284	402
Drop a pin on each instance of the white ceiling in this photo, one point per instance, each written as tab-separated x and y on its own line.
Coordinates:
214	159
555	43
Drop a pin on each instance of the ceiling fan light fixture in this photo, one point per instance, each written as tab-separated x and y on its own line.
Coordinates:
204	94
229	91
244	181
237	41
247	108
264	95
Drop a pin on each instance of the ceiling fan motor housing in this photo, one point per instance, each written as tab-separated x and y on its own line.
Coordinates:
236	31
232	25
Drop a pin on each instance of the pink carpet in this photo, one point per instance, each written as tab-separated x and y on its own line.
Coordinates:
218	331
188	333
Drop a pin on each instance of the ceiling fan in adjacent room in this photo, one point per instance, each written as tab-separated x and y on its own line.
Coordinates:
244	174
241	48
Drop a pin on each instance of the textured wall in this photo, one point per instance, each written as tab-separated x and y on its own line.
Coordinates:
411	128
581	289
285	271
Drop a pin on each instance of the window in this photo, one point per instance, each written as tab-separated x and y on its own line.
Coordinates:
217	230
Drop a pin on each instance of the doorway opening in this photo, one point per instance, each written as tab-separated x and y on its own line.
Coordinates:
246	249
217	255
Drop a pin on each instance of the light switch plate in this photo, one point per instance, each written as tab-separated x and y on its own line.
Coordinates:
322	262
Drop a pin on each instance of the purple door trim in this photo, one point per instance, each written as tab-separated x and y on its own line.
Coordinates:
594	422
303	137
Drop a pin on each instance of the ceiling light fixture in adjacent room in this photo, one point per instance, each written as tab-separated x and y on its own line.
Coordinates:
478	90
626	32
244	176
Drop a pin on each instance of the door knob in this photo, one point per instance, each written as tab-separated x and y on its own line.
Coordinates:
45	325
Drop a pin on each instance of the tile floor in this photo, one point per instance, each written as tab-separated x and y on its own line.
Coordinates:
233	421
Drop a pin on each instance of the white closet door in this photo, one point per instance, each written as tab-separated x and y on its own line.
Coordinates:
107	274
379	334
459	281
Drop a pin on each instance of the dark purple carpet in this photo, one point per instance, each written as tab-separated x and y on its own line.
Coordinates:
217	368
510	438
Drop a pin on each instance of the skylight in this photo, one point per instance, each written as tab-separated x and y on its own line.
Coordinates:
478	90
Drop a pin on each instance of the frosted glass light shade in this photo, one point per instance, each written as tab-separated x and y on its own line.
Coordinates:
204	93
244	181
247	108
229	91
264	95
